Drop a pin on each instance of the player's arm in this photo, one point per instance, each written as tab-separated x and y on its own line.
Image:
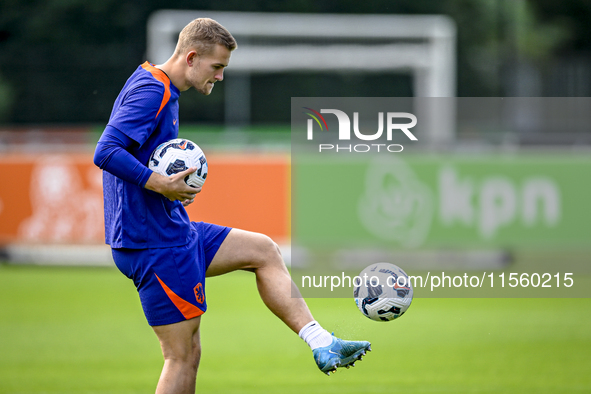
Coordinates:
112	155
173	187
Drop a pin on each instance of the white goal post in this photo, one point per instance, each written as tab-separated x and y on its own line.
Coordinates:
422	45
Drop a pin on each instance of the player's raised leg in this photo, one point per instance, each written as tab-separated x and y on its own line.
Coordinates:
181	348
244	250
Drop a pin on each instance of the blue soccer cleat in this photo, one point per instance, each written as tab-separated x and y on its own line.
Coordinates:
340	353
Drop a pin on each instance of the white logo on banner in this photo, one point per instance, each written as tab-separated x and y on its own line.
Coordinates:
497	201
395	205
63	210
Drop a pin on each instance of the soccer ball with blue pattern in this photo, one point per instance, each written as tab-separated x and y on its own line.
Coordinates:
179	155
384	292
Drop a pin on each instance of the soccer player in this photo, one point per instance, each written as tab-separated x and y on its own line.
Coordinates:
152	239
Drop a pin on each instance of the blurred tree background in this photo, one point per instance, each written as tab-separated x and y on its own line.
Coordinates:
64	61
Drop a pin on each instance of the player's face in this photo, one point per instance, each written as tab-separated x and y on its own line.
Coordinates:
208	69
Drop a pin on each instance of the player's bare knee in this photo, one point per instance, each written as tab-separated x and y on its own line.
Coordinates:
187	357
269	251
196	357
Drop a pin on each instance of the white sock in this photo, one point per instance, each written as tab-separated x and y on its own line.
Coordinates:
314	335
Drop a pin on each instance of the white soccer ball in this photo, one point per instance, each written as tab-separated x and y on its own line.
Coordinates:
179	155
384	292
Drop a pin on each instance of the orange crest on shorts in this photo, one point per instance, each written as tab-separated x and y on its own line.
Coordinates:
199	294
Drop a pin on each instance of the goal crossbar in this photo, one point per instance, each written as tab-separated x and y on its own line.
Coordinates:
423	46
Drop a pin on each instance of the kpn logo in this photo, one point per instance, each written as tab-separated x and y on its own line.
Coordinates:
360	142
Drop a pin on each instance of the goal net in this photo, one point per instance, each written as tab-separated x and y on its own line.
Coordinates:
423	46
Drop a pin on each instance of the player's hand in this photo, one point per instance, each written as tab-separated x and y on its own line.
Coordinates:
188	202
174	187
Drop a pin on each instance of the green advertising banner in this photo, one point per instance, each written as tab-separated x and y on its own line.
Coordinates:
405	201
384	180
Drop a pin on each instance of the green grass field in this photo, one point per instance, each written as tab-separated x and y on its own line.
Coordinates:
81	330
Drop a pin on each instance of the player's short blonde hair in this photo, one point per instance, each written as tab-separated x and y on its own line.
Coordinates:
203	34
